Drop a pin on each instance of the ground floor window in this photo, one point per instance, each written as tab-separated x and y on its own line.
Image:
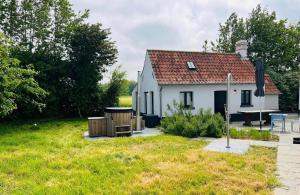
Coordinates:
246	98
186	98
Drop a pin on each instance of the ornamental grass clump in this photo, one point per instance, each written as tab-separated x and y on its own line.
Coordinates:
181	121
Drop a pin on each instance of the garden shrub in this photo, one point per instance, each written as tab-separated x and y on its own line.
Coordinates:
181	121
189	130
216	126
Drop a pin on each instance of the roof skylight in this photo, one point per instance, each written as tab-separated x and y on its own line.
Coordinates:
191	65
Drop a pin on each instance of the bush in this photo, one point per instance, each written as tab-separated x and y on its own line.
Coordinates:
182	122
251	133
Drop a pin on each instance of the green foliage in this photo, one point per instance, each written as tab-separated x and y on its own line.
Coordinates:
251	133
183	122
288	83
69	56
111	94
273	39
127	87
91	52
17	85
232	31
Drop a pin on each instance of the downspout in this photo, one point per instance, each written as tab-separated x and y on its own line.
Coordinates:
160	101
138	117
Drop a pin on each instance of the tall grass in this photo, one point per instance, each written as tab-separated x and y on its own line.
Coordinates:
54	158
254	134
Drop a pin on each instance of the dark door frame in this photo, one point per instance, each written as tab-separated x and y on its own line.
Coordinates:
220	98
146	102
152	102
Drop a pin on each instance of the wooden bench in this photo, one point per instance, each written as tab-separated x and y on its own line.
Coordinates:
123	130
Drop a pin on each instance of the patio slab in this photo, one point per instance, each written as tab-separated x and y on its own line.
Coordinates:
288	165
219	145
237	146
144	133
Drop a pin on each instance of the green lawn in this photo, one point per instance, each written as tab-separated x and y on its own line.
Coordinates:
56	159
125	101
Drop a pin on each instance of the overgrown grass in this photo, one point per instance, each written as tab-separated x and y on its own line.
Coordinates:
125	101
254	134
54	158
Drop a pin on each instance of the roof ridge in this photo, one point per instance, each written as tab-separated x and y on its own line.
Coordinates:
187	51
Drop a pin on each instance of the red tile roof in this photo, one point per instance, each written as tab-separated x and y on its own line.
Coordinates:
270	87
170	67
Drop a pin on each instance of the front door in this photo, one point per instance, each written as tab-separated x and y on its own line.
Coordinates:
220	101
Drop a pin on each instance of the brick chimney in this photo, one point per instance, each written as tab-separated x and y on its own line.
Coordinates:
241	48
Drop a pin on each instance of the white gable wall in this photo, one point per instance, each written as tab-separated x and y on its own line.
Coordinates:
203	96
133	95
148	84
271	102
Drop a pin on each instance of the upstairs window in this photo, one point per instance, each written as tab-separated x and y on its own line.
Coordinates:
246	98
186	98
191	65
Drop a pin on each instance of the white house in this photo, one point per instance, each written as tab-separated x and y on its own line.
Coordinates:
198	80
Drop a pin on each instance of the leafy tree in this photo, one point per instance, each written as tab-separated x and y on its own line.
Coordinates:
273	40
48	35
233	30
205	46
113	91
131	86
91	52
9	17
288	83
17	85
127	87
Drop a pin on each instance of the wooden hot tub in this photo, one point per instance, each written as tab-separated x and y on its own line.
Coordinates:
119	120
116	121
97	126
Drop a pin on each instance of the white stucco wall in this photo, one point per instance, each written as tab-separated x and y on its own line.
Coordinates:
204	96
271	102
148	84
134	98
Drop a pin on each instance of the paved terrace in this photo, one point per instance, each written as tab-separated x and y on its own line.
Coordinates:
288	165
288	157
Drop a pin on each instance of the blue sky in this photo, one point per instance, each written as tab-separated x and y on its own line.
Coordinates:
137	25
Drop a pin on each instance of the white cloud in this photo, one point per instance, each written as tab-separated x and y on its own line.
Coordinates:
137	25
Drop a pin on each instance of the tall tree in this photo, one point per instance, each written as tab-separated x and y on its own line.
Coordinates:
45	33
42	27
91	52
114	88
17	85
230	32
9	18
273	40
